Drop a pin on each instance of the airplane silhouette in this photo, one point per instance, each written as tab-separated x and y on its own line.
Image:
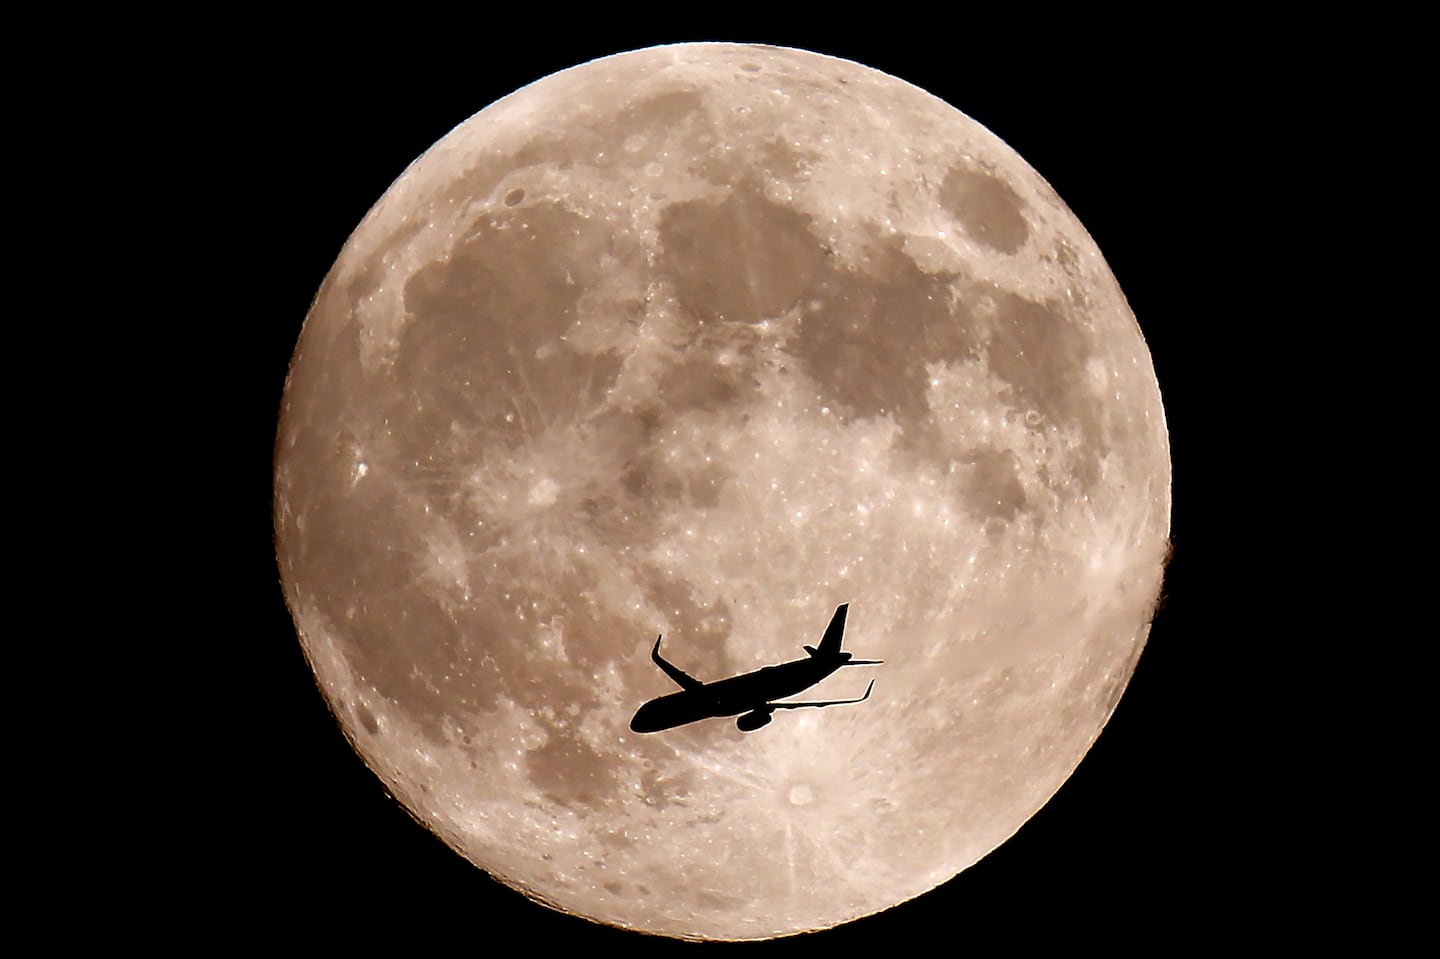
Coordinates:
752	694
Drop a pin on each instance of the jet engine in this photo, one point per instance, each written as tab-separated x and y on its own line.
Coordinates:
753	721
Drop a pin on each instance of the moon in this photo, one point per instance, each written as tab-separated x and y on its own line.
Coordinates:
705	340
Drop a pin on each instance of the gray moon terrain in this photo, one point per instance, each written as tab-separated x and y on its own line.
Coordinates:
705	340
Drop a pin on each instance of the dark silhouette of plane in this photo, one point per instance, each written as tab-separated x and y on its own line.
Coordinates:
752	694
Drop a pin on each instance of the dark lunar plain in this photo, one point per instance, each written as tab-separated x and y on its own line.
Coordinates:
1167	833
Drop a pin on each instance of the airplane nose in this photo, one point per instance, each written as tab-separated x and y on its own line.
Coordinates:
641	721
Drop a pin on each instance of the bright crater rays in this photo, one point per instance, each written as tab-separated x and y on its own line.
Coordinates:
706	340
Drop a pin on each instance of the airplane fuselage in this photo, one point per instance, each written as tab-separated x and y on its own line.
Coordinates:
730	697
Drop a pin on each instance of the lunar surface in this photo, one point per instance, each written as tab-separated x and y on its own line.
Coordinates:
705	340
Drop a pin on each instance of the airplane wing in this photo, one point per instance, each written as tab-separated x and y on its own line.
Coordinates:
832	702
684	680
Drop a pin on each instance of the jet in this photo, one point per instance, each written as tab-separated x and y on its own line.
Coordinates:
751	696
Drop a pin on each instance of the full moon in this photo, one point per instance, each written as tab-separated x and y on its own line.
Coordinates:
705	340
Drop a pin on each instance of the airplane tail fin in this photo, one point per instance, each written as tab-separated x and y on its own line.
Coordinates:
834	634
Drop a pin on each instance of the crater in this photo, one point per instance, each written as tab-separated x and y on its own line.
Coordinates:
986	207
367	719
